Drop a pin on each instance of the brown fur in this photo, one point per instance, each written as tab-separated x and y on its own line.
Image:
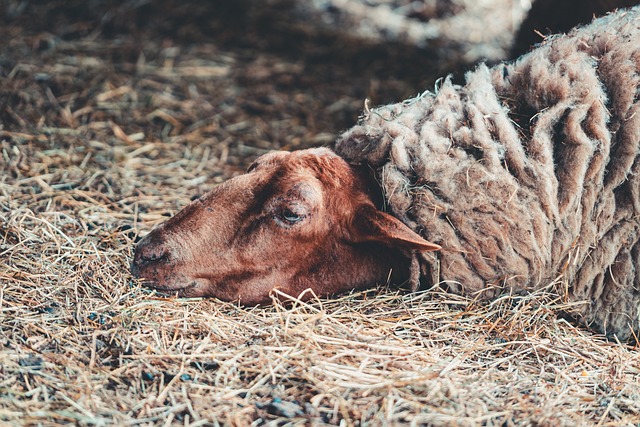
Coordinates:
237	242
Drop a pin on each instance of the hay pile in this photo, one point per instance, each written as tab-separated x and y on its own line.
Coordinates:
104	136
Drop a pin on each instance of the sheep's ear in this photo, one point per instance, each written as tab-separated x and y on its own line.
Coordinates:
373	225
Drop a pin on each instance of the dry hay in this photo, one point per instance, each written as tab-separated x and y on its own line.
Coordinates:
100	141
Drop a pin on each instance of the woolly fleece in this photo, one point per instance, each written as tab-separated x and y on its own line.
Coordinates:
527	173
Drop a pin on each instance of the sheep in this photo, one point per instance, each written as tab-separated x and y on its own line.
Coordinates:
525	174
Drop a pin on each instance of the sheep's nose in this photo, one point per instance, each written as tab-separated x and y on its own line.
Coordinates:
149	250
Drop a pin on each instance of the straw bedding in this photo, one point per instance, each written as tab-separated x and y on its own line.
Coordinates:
526	173
106	133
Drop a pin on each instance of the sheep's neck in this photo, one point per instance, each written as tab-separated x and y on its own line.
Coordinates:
387	266
370	265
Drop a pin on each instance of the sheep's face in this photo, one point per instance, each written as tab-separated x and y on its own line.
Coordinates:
295	221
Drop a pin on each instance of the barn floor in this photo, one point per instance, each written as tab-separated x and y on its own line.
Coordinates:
113	115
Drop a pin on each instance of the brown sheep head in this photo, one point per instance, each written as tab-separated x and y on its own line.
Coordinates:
294	221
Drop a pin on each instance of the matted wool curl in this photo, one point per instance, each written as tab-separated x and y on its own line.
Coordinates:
527	172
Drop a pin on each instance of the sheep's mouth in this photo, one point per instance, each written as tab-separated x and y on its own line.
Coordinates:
161	280
192	288
154	284
167	288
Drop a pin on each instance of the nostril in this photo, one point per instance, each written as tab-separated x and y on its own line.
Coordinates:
150	253
149	258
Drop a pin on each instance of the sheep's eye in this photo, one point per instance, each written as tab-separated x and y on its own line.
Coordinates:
252	166
290	216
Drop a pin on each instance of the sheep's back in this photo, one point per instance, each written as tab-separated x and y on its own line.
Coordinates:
526	173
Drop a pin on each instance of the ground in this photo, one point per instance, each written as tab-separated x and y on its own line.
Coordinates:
113	116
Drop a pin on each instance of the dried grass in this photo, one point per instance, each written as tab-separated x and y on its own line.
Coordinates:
101	140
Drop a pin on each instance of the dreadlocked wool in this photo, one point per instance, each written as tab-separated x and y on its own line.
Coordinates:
526	173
